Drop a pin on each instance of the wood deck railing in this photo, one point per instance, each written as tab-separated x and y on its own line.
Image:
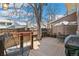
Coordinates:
17	38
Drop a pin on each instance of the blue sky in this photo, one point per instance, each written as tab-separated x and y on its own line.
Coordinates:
60	9
57	9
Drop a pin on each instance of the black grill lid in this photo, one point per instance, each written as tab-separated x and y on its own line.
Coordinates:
72	40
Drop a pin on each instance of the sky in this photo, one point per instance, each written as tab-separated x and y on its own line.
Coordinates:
56	8
59	8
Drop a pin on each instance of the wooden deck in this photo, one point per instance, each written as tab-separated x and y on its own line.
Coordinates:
48	47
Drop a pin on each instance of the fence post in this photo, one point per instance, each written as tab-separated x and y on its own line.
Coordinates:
21	43
2	46
31	37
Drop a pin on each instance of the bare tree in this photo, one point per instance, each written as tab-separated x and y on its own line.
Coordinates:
37	8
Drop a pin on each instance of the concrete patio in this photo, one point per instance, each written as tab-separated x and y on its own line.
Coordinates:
48	47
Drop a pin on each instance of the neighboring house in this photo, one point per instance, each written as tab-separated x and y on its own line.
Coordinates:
64	26
5	23
11	24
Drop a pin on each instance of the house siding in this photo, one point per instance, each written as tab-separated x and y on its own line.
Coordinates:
64	29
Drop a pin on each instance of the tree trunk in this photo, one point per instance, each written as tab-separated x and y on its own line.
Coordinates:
39	30
38	14
39	34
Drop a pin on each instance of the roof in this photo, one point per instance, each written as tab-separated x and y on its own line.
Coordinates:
73	15
5	20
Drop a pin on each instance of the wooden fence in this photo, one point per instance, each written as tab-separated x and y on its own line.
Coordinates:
17	38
